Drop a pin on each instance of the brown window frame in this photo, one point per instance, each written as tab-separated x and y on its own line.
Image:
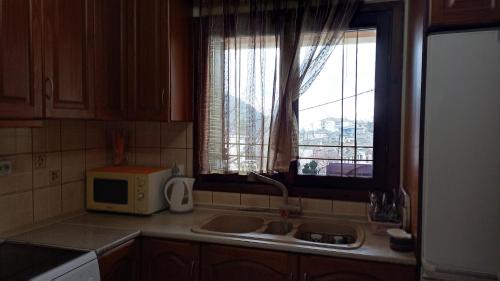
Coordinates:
388	19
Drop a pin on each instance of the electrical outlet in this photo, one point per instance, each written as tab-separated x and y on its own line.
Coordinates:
55	176
5	167
40	161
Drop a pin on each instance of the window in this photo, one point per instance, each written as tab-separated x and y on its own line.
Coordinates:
336	114
348	119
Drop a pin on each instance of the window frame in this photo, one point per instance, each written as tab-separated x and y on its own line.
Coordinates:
388	19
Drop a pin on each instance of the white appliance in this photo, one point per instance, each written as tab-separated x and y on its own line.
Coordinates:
461	161
134	190
179	194
23	261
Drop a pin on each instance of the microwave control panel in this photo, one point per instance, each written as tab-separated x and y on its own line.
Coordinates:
140	194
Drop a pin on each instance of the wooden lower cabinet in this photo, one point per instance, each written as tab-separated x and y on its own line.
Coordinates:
222	263
314	268
169	260
121	263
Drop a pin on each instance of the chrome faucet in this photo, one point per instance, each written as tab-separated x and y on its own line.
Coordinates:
286	208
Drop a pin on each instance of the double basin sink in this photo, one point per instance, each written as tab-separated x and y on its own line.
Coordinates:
307	232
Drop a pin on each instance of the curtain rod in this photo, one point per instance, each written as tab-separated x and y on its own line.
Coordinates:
196	8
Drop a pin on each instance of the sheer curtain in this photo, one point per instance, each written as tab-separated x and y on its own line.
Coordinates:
251	73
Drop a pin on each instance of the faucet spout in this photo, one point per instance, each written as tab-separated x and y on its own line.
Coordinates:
252	176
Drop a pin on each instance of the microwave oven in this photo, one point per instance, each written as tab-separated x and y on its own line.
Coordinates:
134	190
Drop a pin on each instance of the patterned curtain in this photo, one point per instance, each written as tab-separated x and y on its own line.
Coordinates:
255	59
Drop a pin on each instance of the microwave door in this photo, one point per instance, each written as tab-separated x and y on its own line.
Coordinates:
111	194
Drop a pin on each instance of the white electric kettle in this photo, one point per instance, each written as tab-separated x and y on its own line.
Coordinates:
179	194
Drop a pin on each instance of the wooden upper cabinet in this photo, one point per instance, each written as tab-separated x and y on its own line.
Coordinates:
315	268
110	59
68	58
20	59
169	260
161	65
121	263
181	64
149	63
221	263
464	12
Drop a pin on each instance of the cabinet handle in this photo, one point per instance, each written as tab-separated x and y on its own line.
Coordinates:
290	277
163	96
49	82
451	3
191	272
493	4
305	277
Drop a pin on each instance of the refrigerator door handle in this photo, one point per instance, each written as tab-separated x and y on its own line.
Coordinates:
434	272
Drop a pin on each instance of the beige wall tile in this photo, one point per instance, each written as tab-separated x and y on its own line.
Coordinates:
23	140
45	176
47	138
72	165
347	208
173	135
189	163
21	178
317	205
72	134
128	128
226	198
276	202
47	203
95	134
202	197
73	197
148	134
308	204
149	157
171	156
255	200
189	137
95	158
7	141
130	157
16	210
15	141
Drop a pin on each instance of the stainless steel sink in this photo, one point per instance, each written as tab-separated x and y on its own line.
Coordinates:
278	228
233	224
307	232
329	233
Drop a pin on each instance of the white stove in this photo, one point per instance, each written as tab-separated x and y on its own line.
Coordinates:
22	261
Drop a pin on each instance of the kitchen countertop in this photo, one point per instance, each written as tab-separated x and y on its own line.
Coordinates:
102	231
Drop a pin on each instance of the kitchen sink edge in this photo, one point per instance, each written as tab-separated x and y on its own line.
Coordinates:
259	233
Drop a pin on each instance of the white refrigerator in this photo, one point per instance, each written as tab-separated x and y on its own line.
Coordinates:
461	160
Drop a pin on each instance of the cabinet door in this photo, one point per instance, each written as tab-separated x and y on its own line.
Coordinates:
464	12
149	64
169	260
20	59
110	59
121	263
315	268
68	59
222	263
181	64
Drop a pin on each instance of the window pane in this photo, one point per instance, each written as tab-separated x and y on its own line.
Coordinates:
336	113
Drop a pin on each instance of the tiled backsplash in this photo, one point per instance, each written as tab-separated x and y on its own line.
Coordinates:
49	165
48	169
158	144
341	208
